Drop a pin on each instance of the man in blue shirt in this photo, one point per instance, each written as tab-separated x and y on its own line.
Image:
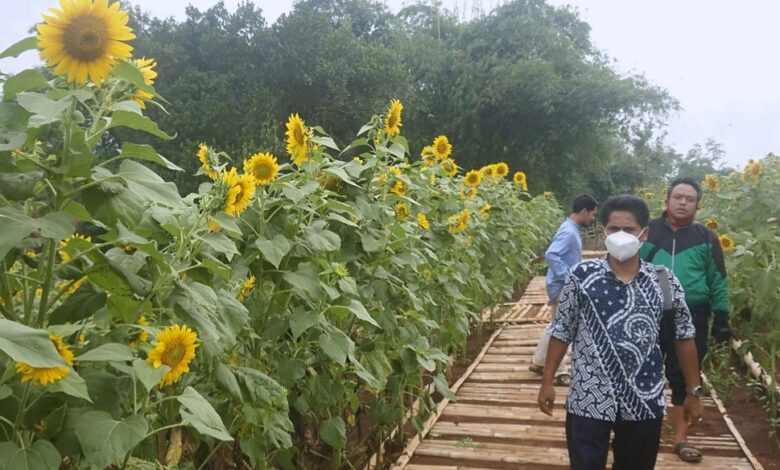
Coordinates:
564	252
611	310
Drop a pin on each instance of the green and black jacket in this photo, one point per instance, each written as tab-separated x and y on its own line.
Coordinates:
694	254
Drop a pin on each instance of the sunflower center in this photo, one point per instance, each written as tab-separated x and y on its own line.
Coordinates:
174	355
86	39
263	171
442	148
298	133
392	121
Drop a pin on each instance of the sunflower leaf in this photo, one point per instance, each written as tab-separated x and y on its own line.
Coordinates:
148	374
25	80
147	152
106	440
73	385
26	44
197	412
135	121
41	455
25	344
108	352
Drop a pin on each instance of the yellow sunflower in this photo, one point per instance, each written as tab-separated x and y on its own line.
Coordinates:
485	210
501	169
441	147
399	188
297	139
427	155
381	179
472	178
206	161
488	171
726	243
753	171
246	288
459	222
46	375
396	171
146	67
393	118
423	221
449	166
84	38
468	193
240	189
64	244
143	335
175	347
213	225
711	182
521	180
263	167
401	211
711	223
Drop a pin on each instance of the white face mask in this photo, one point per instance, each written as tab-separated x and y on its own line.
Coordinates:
622	245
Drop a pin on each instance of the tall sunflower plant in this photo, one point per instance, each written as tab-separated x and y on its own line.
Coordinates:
116	293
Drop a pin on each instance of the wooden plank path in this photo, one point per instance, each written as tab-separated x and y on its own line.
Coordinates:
495	422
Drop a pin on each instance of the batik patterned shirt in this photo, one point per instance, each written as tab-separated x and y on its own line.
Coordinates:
617	366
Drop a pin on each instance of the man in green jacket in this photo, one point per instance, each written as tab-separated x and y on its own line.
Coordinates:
693	253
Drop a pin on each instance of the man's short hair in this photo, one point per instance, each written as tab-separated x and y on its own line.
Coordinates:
690	182
636	206
584	201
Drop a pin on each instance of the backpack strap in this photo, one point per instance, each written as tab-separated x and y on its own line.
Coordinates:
666	288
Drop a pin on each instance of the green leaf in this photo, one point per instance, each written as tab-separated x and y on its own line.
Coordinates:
42	455
108	352
44	110
274	250
13	126
443	387
336	345
221	244
216	266
197	412
227	379
302	320
130	73
137	122
80	305
17	226
340	174
371	244
325	141
26	44
73	384
397	150
25	80
305	281
148	374
24	344
148	185
148	153
322	239
106	441
333	432
357	309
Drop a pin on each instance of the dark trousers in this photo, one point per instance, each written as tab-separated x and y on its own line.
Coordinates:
635	446
672	368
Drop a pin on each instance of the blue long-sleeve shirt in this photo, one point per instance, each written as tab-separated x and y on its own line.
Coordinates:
564	252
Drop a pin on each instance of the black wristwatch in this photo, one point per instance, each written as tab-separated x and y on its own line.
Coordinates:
694	391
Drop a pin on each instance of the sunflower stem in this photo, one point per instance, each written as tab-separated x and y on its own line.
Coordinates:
22	407
49	273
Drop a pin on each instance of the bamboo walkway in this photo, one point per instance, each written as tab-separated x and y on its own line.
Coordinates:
495	422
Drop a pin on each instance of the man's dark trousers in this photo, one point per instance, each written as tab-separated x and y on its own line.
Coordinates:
635	446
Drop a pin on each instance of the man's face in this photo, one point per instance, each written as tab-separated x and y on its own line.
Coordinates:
588	217
626	222
682	202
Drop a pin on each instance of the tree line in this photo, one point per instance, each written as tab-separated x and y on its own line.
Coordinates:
523	84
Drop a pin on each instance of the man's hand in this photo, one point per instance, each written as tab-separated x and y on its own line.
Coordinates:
546	398
692	410
721	330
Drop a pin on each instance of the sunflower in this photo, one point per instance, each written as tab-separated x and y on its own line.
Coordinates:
521	180
393	118
441	147
145	66
263	167
423	221
501	169
449	166
84	39
726	243
213	225
711	223
399	188
175	348
396	170
207	159
297	139
401	211
711	182
468	193
427	155
240	189
249	284
485	210
488	171
46	375
458	223
432	179
143	335
753	170
381	179
64	244
472	178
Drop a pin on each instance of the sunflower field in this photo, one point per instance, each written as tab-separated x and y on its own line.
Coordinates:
292	306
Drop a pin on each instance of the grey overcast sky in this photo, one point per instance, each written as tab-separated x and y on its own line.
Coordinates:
717	57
